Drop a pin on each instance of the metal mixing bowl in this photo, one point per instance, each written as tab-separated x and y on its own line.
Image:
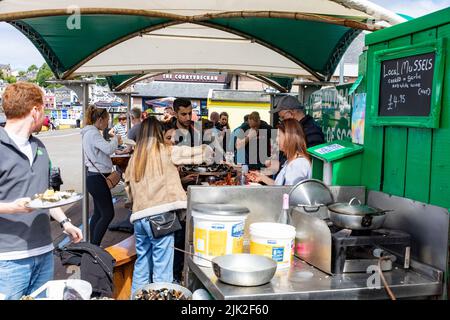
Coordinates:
244	269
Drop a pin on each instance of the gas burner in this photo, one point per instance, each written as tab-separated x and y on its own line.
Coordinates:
356	250
335	250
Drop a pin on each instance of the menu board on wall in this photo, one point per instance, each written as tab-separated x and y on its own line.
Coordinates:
406	86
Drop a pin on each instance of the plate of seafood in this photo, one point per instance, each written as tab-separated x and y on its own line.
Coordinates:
53	199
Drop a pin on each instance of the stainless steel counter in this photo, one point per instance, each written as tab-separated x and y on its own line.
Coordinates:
303	281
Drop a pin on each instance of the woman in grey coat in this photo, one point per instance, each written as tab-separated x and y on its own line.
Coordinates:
98	162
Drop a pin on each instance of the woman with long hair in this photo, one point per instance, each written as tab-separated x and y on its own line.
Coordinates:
153	184
98	162
291	141
223	121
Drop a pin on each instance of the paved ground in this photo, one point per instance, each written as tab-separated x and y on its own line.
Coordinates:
64	148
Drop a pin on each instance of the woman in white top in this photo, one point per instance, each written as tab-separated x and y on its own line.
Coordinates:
291	141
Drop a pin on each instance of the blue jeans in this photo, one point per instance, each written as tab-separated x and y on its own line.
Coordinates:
154	262
21	277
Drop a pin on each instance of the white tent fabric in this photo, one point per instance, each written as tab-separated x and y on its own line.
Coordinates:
188	47
203	49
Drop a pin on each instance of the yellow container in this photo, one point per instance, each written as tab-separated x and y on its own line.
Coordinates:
218	230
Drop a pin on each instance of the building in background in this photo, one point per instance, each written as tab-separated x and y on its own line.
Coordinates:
192	86
5	70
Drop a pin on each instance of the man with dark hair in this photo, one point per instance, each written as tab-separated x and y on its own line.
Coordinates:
186	134
183	113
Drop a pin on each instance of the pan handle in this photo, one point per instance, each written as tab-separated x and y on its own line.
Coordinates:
313	208
216	269
366	221
353	199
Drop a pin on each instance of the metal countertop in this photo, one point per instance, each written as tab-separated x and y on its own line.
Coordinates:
295	284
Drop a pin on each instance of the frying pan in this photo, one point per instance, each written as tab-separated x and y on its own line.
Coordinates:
242	269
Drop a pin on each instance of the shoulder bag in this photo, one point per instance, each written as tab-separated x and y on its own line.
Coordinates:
164	223
112	179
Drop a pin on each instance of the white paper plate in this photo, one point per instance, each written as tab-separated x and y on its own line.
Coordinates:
39	204
129	141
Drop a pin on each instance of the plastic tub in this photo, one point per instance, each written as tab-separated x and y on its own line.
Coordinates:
218	230
273	240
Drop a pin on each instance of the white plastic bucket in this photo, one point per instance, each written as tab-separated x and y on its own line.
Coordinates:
217	235
273	240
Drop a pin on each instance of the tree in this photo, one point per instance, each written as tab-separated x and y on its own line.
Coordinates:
44	74
32	68
101	82
11	79
22	73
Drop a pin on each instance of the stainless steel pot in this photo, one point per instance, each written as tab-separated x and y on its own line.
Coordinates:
356	216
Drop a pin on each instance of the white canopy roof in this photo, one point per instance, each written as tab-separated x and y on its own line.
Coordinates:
189	47
264	37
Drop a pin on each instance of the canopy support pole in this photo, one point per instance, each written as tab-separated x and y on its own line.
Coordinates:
81	88
85	207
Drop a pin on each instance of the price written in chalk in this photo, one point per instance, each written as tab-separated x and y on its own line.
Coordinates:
394	100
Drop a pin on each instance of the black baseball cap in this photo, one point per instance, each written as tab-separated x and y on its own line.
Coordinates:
287	103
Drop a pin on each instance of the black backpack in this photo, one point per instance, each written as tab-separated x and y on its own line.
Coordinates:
96	266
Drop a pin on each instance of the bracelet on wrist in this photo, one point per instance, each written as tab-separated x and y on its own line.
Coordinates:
64	221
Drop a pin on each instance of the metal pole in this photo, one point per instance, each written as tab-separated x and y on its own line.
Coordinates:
85	206
81	88
128	111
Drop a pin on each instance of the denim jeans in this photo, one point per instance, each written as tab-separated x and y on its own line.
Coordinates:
154	262
21	277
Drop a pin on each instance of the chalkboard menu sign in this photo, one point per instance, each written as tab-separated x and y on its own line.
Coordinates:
406	86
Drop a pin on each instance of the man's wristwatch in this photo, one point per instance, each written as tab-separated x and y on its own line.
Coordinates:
64	221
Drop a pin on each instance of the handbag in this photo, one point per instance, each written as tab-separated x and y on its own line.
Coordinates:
112	179
164	223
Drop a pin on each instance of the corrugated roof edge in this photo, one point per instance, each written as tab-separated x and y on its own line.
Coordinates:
419	24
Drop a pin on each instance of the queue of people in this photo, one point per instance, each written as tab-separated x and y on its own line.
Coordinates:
155	186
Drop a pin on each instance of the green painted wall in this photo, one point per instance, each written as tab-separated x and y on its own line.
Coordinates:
406	161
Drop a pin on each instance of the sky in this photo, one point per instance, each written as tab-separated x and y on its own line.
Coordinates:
18	51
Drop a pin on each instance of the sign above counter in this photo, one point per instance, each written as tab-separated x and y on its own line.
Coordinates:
407	89
406	86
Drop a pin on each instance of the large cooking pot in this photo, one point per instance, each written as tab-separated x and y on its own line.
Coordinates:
356	216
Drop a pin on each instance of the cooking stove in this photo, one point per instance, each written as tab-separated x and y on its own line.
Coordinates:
355	251
335	250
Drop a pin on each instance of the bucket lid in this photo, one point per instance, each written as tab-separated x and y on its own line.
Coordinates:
272	229
222	209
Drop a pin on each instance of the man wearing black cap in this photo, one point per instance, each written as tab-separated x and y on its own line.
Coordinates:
289	107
